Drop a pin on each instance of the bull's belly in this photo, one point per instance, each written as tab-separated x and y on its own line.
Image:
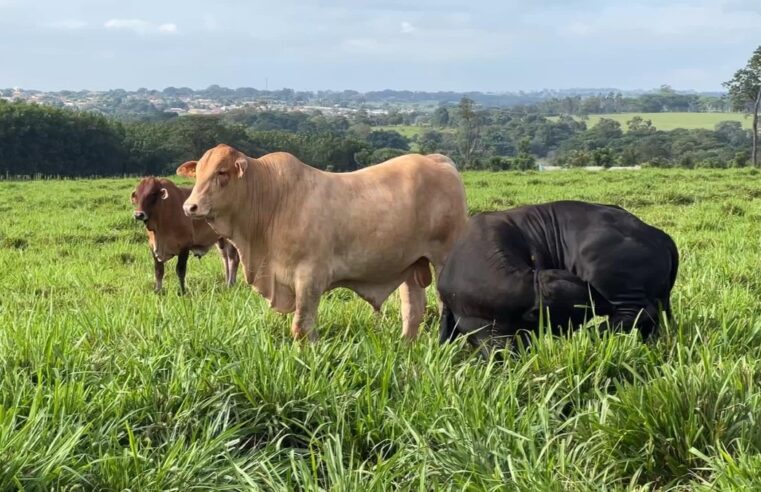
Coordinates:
375	293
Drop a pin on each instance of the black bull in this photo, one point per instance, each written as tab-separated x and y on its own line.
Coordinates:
558	262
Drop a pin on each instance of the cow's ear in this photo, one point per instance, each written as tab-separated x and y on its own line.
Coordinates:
188	169
241	165
164	194
134	198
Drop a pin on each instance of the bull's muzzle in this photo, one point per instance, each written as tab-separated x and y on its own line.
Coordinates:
141	216
191	209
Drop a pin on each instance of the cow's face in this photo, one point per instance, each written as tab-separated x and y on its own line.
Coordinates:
218	182
148	194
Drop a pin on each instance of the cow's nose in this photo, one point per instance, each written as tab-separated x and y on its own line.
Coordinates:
190	208
140	215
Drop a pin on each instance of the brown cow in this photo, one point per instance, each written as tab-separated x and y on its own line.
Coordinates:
301	231
158	204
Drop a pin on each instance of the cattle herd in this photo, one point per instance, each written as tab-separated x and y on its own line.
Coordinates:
300	232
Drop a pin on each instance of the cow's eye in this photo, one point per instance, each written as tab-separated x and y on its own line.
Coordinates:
221	172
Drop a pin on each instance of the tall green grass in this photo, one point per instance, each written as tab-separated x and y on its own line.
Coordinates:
105	385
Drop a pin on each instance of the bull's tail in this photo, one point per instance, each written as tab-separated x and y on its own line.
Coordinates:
447	328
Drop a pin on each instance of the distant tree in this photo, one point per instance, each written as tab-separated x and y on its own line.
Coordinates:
745	93
497	142
603	157
440	117
524	161
639	126
360	130
577	158
469	132
430	141
732	133
388	139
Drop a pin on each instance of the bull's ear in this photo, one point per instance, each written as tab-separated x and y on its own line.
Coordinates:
241	165
188	169
164	194
134	198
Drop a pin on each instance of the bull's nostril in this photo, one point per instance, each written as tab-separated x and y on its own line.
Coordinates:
193	208
139	216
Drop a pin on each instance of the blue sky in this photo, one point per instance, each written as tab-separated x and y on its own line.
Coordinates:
488	45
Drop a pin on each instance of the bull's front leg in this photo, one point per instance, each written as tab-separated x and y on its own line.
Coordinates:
158	272
307	302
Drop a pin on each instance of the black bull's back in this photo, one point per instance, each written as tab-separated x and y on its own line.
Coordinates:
568	258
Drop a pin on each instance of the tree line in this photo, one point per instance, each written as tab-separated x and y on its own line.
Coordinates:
38	140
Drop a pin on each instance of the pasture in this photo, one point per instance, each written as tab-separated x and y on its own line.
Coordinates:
672	121
106	385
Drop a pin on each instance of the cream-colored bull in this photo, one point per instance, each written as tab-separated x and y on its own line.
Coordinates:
301	232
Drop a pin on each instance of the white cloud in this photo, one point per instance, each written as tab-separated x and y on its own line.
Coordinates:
71	24
407	27
140	26
168	28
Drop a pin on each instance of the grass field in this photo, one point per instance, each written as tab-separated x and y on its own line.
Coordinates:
408	131
671	121
105	385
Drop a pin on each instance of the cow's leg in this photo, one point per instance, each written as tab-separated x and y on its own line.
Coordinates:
413	307
182	268
158	271
305	317
233	260
222	247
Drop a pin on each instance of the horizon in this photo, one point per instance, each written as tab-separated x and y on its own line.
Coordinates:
487	46
568	90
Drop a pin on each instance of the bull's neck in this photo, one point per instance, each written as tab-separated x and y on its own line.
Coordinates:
268	189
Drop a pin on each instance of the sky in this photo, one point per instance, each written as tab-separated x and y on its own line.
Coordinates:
483	45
